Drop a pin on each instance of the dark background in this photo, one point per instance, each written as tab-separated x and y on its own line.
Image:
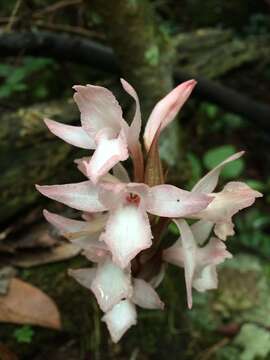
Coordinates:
46	47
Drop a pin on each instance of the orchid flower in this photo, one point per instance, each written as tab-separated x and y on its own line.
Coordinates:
234	197
199	263
117	294
124	217
127	230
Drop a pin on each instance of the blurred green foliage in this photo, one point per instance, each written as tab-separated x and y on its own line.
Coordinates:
216	155
218	120
253	231
24	334
31	75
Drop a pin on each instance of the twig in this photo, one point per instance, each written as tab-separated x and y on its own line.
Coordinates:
6	19
13	15
38	14
213	349
84	51
55	7
69	29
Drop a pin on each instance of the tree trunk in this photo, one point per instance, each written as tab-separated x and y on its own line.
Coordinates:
30	154
144	54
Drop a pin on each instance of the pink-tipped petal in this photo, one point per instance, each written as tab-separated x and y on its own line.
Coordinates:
166	110
201	230
99	109
84	277
74	135
158	278
127	233
63	224
189	252
111	285
209	182
174	254
91	228
111	194
89	242
234	197
96	254
214	252
224	229
170	201
81	164
208	257
206	279
120	318
108	153
199	262
145	296
81	196
135	127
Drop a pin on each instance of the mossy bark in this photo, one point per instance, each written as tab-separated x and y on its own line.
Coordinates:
215	52
30	154
145	54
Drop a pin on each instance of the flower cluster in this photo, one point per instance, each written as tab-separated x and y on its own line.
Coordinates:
123	219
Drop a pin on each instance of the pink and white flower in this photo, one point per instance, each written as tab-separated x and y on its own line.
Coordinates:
198	262
124	217
117	294
127	230
234	197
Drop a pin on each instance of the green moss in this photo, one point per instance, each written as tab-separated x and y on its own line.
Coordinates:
242	298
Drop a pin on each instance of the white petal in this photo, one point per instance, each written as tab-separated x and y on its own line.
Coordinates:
190	256
96	254
234	197
206	279
145	296
108	153
89	242
81	196
157	279
91	227
81	164
127	233
214	253
84	277
99	109
74	135
135	127
201	230
166	110
174	254
209	182
224	229
120	319
111	285
63	224
170	201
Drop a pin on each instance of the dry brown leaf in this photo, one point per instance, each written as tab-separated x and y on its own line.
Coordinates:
26	304
38	236
23	222
59	253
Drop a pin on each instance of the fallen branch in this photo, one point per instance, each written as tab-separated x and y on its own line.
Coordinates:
70	48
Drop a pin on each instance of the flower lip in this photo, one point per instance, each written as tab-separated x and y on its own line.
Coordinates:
133	198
